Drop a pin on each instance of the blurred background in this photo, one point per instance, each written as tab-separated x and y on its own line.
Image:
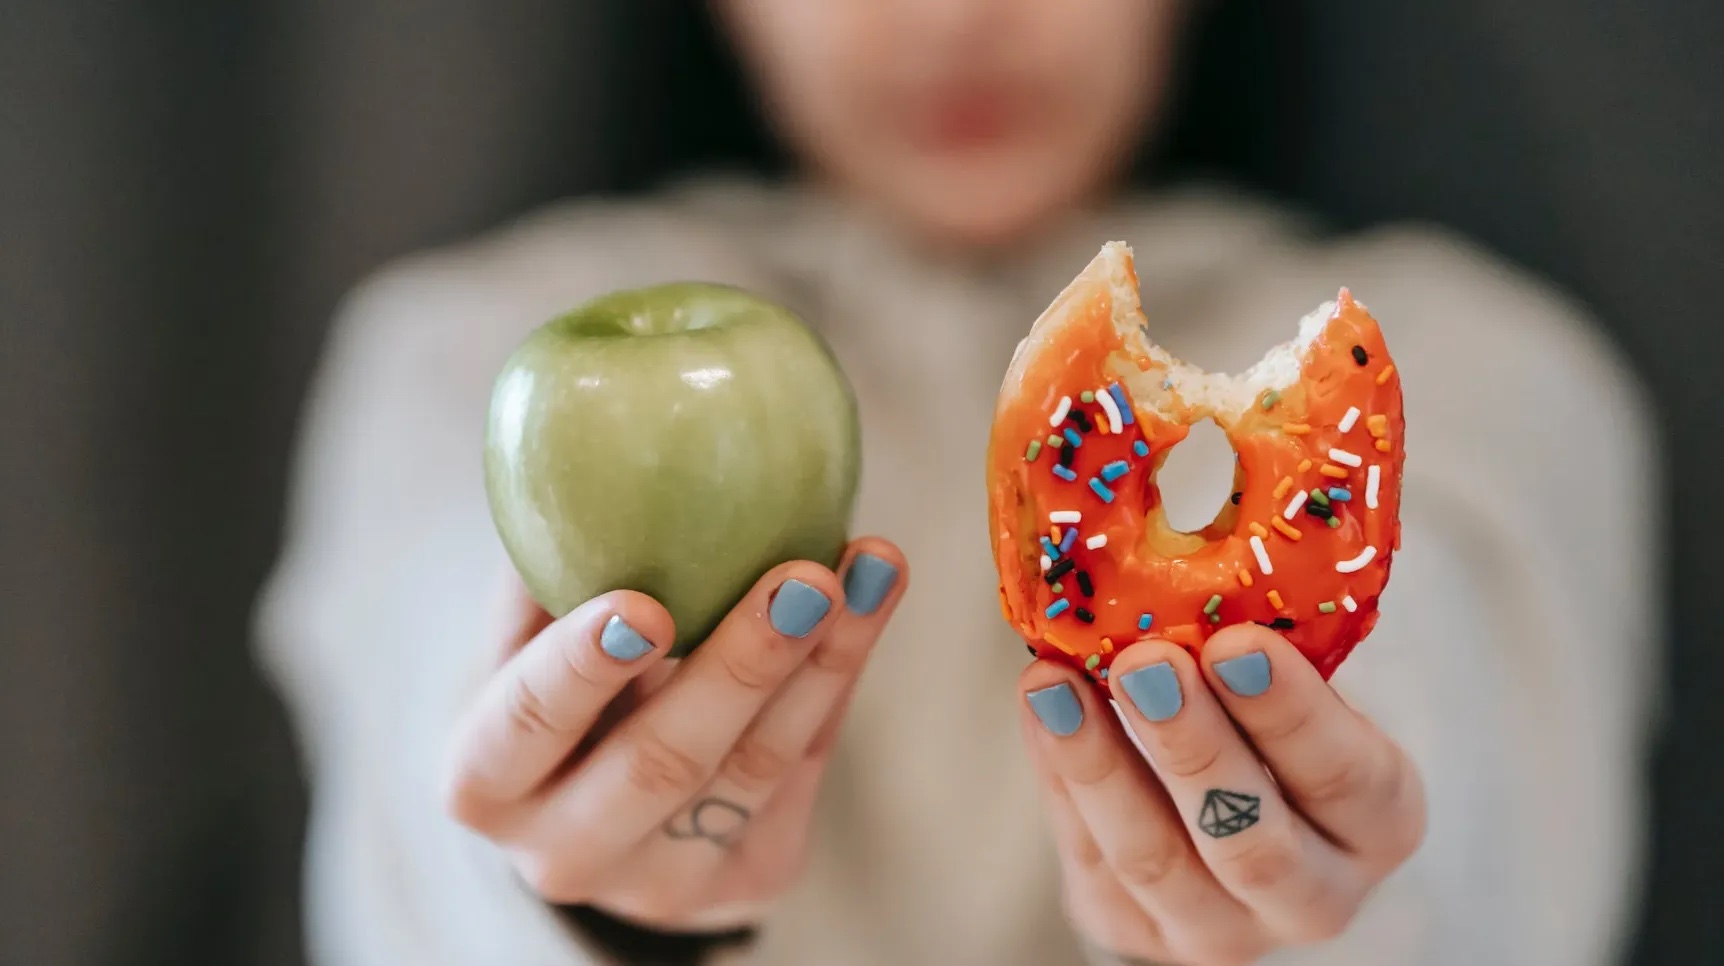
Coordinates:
186	190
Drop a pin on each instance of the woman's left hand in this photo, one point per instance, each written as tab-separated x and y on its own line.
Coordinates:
1272	810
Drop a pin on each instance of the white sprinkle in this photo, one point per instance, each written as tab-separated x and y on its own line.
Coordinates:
1061	411
1065	516
1096	542
1344	457
1047	563
1372	477
1364	557
1348	420
1293	505
1112	408
1262	555
1349	603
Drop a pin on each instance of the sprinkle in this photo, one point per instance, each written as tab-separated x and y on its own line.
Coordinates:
1115	470
1348	420
1282	623
1107	645
1056	440
1054	534
1270	398
1084	584
1067	541
1061	411
1349	603
1294	504
1214	602
1068	453
1111	406
1090	662
1101	490
1102	673
1062	645
1140	449
1357	563
1065	473
1034	451
1319	497
1245	578
1383	446
1167	383
1087	396
1304	466
1214	618
1295	429
1340	494
1059	570
1373	478
1359	355
1326	607
1073	438
1047	562
1058	587
1285	528
1144	620
1084	615
1282	487
1257	530
1057	608
1049	548
1319	511
1334	522
1102	427
1235	497
1033	653
1378	425
1332	471
1066	516
1383	376
1342	456
1078	416
1124	404
1096	542
1262	555
1275	599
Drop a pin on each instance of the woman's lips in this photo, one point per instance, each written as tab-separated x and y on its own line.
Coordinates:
965	120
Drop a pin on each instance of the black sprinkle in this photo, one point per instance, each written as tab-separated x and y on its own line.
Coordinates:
1083	584
1318	510
1236	497
1084	615
1058	570
1359	355
1082	420
1032	648
1279	623
1068	452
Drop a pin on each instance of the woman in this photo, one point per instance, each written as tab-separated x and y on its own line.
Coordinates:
495	787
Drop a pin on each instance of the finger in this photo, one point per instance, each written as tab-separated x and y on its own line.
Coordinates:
537	707
654	763
517	615
1134	824
1347	777
1299	884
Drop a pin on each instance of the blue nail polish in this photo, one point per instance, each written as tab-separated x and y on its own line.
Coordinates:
797	608
1246	675
621	641
867	583
1154	690
1058	708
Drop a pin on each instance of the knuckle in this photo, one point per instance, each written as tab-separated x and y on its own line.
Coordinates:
1348	778
1149	864
754	764
1293	722
1086	852
1405	808
1187	759
465	802
657	769
528	712
756	667
1321	923
1087	768
1267	864
841	658
551	880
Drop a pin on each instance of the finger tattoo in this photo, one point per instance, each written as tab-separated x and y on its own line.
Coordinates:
714	819
1227	813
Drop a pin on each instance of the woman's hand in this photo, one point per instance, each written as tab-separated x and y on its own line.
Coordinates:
675	798
1272	809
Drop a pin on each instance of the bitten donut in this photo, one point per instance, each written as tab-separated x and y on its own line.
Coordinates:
1090	409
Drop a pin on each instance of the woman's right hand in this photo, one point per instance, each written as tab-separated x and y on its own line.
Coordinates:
677	798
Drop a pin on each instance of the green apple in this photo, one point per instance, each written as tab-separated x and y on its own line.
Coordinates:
679	440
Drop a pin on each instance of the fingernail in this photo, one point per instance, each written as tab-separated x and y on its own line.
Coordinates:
621	641
797	608
1154	690
1246	675
1058	708
867	583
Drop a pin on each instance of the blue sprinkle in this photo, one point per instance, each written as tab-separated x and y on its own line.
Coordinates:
1339	495
1068	539
1101	490
1064	473
1144	622
1049	548
1073	437
1167	383
1057	608
1118	395
1115	470
1103	673
1140	448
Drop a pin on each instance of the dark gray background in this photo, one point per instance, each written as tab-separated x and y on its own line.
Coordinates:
185	189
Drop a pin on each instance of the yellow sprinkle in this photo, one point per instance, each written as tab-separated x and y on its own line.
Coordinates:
1332	471
1245	578
1101	426
1275	599
1304	466
1378	424
1383	446
1054	535
1295	429
1257	528
1107	645
1062	645
1282	487
1285	528
1383	376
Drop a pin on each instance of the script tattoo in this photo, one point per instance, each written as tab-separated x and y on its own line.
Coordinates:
713	819
1228	813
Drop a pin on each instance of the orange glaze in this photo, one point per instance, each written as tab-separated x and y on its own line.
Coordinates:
1147	567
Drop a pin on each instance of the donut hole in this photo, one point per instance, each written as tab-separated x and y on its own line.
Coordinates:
1196	479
